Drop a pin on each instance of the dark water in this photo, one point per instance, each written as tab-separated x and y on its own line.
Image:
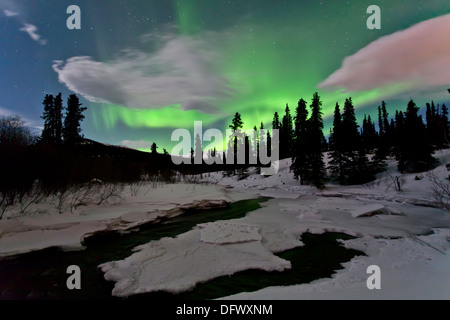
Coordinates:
42	275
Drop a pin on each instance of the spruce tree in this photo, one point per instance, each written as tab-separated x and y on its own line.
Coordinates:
445	124
380	122
52	119
299	161
368	134
72	121
236	125
385	134
356	166
398	132
48	131
350	141
415	151
236	122
286	134
336	165
317	174
429	120
57	118
154	149
349	128
262	146
386	126
276	121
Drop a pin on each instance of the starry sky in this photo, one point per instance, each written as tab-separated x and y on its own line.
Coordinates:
146	67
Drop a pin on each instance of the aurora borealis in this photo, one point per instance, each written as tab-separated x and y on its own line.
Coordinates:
144	68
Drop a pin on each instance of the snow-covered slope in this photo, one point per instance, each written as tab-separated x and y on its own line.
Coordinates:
415	188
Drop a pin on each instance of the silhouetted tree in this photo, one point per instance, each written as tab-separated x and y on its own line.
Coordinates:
72	120
299	160
236	125
154	149
349	128
236	122
350	142
317	173
445	124
48	133
437	125
414	151
52	132
386	126
336	165
14	132
58	107
286	134
368	134
349	163
276	121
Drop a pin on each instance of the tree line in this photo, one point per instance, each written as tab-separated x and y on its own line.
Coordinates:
62	160
356	153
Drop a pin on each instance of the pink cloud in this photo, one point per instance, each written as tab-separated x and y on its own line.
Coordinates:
418	56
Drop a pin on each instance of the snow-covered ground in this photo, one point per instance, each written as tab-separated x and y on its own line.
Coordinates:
410	243
46	227
402	232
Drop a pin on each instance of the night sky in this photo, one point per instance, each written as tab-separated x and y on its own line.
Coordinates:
144	68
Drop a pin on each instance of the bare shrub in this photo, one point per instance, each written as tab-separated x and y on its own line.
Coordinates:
440	189
34	196
109	191
394	181
191	178
81	195
135	187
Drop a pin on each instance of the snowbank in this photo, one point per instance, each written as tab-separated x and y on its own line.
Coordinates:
27	233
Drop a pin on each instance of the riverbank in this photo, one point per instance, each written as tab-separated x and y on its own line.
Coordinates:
42	274
45	227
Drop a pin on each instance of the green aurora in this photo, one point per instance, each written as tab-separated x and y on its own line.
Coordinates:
270	55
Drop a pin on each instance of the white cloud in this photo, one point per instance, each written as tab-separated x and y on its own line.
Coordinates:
10	13
140	144
417	58
31	29
180	72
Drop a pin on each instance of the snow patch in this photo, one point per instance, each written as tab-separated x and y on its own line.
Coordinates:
226	232
179	264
